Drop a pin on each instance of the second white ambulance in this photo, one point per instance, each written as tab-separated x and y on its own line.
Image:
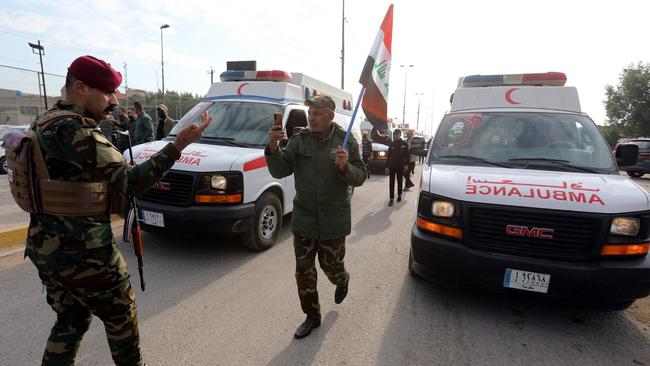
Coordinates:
221	183
522	194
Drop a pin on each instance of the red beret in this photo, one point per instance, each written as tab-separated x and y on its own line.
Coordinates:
95	73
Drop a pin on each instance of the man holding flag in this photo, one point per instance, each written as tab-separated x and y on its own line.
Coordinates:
322	216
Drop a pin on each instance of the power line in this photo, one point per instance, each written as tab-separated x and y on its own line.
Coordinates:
36	71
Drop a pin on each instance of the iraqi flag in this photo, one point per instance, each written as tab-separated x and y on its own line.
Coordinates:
374	76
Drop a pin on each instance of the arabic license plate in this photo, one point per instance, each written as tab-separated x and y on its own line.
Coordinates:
527	281
153	218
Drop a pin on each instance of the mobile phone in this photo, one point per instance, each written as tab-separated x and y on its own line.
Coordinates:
277	119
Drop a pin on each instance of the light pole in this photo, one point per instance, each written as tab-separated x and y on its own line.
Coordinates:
162	62
37	48
417	125
404	103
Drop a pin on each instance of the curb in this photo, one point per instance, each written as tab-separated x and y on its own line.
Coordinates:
17	237
13	237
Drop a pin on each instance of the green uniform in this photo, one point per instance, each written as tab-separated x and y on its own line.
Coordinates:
321	209
77	259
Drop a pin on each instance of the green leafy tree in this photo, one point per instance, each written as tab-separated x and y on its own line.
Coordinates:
628	104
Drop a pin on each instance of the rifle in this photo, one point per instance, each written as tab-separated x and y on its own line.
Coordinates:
132	223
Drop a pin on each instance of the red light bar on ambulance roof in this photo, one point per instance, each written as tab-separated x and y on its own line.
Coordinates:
538	79
240	75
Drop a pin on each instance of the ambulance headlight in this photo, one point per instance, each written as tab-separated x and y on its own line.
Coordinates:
218	182
442	209
381	153
627	226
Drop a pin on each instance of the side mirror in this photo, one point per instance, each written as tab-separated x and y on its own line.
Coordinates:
626	154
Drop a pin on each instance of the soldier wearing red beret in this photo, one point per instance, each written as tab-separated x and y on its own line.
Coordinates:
71	245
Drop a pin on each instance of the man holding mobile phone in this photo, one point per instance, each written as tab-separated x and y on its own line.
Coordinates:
323	172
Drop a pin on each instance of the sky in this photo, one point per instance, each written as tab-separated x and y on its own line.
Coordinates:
592	42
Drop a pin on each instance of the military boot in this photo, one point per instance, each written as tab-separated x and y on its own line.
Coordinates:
306	327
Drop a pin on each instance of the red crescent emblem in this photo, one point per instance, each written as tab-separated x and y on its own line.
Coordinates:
509	96
242	87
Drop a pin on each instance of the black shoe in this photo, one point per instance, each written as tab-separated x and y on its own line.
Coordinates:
390	202
306	327
341	292
399	198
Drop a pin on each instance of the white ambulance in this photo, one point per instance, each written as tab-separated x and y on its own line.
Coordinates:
521	193
221	183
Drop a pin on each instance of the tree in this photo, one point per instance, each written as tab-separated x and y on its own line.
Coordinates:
628	105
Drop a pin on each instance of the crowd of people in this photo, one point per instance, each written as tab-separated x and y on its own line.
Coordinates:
138	123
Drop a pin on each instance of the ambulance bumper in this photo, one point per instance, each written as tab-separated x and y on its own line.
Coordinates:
452	263
232	219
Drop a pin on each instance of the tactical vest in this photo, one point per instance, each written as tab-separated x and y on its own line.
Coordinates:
34	191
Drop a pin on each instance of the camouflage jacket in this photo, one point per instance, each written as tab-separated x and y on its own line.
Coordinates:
321	208
76	150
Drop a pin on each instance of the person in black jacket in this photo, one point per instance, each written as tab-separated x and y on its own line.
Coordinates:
366	149
398	157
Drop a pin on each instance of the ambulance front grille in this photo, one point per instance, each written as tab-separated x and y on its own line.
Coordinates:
175	188
574	236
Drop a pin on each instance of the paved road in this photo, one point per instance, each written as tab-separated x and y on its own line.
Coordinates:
211	302
10	215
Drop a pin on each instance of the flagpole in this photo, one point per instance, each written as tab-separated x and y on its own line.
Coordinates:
354	114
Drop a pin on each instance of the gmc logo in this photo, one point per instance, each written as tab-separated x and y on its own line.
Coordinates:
163	186
533	232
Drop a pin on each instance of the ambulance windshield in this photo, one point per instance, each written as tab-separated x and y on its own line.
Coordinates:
234	123
542	141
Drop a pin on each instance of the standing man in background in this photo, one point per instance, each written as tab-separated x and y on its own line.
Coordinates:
165	123
143	126
323	173
398	157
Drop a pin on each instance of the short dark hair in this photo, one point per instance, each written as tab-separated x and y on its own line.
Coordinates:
122	109
137	106
396	131
132	109
69	83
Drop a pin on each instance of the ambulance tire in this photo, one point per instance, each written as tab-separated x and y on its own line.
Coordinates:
411	270
266	223
635	174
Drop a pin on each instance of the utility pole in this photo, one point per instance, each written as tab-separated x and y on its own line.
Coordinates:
126	89
41	52
343	48
211	72
406	69
417	125
162	62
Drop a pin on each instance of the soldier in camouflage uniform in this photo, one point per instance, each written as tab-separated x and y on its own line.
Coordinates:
321	218
77	258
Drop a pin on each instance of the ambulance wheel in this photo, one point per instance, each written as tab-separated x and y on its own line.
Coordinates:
266	223
3	165
635	174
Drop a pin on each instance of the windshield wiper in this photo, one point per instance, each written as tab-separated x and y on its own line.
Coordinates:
561	162
227	140
474	158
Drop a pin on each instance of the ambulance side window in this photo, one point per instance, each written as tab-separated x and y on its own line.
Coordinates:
297	120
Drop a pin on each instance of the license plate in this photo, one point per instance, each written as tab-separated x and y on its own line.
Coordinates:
153	218
527	281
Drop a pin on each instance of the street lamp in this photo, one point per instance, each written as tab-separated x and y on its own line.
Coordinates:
162	62
37	48
404	104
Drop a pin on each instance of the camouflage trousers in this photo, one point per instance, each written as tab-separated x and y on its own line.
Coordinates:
330	256
81	284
